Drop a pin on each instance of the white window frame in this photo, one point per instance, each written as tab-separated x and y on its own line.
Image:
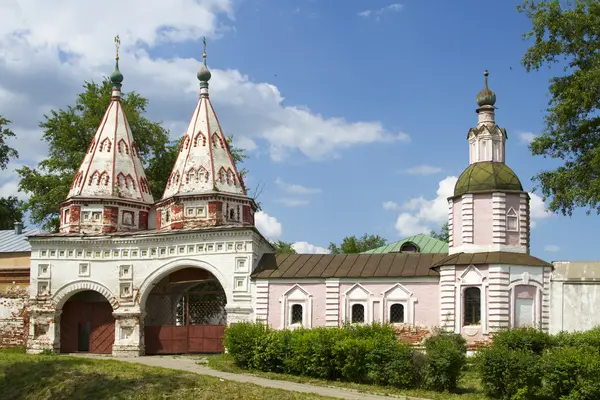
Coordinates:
399	294
296	295
357	294
512	213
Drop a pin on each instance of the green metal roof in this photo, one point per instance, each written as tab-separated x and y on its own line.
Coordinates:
487	176
426	244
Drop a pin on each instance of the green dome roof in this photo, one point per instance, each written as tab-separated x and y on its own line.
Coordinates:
116	77
486	97
487	176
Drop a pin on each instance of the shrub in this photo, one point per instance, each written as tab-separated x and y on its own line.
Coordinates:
446	357
311	352
508	374
271	351
351	357
391	363
529	339
375	331
587	338
240	340
571	373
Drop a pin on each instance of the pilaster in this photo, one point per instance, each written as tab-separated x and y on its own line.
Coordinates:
129	333
499	218
499	304
450	223
261	303
524	220
467	218
332	302
545	320
447	297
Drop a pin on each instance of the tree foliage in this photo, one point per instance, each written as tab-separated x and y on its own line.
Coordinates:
282	247
567	34
443	234
69	132
10	212
352	244
6	152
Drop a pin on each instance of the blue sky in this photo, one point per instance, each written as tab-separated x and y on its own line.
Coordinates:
360	76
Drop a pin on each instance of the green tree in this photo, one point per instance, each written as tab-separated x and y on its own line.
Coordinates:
443	234
10	212
6	152
352	244
567	34
282	247
69	132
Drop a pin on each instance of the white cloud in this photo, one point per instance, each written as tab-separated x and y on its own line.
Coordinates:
295	188
420	215
379	11
552	248
307	248
527	137
268	225
390	206
290	202
423	170
43	63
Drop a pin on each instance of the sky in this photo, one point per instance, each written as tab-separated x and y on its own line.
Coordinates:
354	113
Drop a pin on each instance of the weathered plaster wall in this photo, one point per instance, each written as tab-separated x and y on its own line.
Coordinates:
482	219
14	260
575	296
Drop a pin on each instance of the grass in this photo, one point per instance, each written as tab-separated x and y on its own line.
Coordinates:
56	377
468	387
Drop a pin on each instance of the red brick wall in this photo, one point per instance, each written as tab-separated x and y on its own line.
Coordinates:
75	212
248	215
111	217
158	219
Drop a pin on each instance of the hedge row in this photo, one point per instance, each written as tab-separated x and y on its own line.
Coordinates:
528	364
354	353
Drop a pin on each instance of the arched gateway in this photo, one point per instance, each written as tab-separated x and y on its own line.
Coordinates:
185	313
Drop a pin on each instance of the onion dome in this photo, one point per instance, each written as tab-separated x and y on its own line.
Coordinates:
204	74
116	77
487	176
486	97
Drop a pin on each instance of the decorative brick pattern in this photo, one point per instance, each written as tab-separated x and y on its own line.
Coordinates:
332	302
447	297
467	218
261	308
498	303
499	218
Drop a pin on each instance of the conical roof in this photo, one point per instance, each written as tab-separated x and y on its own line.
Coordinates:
204	163
112	168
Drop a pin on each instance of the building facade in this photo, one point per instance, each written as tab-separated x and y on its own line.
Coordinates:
129	275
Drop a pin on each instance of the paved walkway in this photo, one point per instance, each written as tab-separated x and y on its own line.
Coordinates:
190	365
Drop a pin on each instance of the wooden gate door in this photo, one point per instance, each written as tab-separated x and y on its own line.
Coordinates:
91	322
191	322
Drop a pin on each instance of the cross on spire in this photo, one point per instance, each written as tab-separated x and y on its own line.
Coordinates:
117	45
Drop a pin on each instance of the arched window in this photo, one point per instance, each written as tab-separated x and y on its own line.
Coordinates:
512	220
409	247
396	313
297	314
472	313
358	313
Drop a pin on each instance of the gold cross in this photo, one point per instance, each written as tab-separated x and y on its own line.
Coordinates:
117	45
204	42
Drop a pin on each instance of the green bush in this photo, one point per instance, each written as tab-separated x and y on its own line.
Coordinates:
271	351
311	352
240	340
446	357
351	357
530	339
391	363
375	331
571	373
587	338
508	374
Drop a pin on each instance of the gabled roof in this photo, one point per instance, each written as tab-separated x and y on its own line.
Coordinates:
426	244
10	242
112	168
394	265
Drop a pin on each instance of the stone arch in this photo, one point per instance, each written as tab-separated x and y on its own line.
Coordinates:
173	266
65	292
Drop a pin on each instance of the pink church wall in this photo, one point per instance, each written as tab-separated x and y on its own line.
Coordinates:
513	200
457	222
276	291
474	333
483	213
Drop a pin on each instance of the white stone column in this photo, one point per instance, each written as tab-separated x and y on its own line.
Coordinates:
499	218
498	298
545	320
44	328
447	297
467	218
129	332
